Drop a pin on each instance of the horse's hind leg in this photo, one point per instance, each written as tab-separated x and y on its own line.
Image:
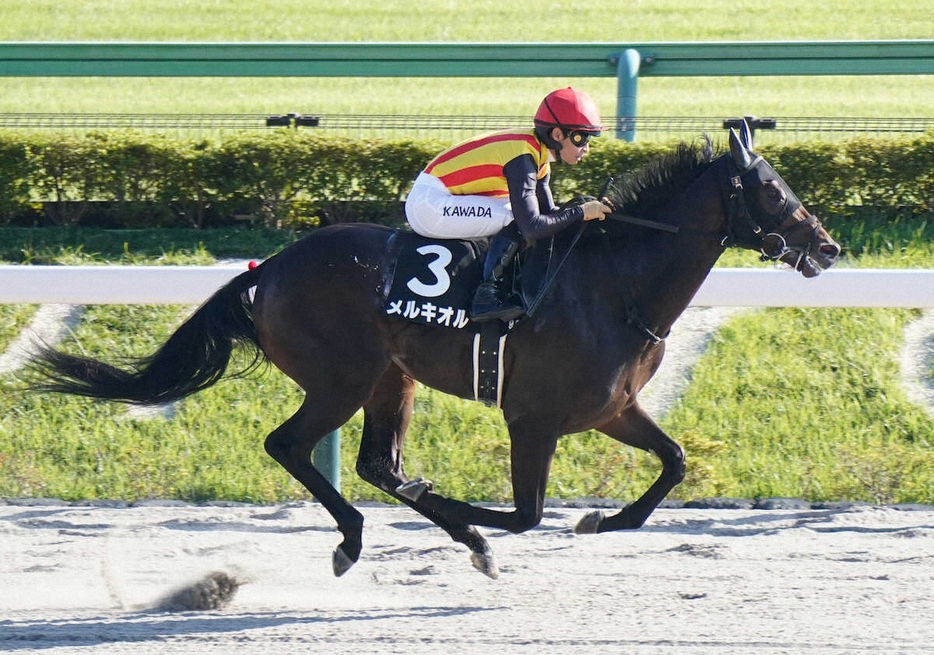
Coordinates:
533	446
386	417
291	445
635	428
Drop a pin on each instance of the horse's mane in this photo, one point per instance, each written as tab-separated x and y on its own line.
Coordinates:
642	191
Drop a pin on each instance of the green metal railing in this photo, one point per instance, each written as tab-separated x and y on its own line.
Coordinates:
625	61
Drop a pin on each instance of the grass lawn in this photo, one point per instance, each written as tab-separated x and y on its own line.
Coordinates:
482	21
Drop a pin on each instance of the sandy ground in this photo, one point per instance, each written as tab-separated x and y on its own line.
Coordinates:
794	579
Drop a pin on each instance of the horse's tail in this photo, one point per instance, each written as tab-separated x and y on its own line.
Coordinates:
194	357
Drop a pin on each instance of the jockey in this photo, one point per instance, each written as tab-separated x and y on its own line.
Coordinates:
498	184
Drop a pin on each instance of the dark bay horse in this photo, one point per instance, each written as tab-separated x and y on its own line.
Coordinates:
596	338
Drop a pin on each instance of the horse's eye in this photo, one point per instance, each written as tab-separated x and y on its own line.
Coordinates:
773	197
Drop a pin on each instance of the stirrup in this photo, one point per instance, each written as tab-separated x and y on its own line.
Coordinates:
491	308
504	313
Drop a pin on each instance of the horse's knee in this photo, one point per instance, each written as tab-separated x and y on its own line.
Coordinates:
369	470
275	447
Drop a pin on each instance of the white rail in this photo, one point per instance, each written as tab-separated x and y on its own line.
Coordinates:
736	287
840	287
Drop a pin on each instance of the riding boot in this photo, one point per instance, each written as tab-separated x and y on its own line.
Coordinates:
490	299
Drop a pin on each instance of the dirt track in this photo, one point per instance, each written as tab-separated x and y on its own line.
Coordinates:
848	580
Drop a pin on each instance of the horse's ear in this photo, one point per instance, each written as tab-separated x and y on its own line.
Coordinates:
740	145
745	134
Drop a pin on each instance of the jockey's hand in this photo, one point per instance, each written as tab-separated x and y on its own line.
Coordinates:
595	210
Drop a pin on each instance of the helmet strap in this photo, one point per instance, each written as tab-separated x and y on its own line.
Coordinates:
544	135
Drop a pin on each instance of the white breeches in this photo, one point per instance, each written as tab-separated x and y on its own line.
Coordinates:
433	211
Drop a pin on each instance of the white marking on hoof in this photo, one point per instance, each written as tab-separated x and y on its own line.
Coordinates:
341	562
590	523
485	563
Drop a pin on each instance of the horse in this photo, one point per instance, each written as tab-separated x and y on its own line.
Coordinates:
596	336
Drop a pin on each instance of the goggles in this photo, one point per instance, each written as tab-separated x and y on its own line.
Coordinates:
579	138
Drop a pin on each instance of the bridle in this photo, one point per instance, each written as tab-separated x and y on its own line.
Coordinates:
769	239
765	233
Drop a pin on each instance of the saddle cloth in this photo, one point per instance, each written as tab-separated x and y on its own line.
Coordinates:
433	281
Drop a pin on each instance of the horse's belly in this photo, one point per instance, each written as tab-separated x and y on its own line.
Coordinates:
438	358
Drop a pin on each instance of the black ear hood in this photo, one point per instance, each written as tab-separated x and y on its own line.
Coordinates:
741	147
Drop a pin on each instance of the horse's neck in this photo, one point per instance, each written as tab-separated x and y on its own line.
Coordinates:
673	272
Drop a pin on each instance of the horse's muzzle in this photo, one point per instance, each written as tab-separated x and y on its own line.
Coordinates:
813	256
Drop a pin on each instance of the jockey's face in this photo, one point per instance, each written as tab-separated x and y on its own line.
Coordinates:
574	145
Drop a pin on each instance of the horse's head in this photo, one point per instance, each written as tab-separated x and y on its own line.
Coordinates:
765	215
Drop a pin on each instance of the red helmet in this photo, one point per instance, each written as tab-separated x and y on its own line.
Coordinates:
569	109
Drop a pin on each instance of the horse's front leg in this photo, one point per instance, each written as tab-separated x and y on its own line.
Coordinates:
380	462
635	428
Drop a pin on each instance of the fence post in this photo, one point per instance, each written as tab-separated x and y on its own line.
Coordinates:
627	77
327	458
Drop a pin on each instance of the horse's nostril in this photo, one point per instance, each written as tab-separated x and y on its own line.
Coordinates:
831	250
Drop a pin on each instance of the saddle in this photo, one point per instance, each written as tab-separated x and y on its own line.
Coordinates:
432	281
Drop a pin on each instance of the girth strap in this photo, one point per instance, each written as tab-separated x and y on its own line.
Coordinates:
488	346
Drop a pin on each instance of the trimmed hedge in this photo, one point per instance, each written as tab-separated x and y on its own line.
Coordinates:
893	176
296	179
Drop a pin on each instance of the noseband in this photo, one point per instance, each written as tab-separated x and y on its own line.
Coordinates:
774	246
770	240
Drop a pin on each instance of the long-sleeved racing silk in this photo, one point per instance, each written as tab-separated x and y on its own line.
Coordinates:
513	164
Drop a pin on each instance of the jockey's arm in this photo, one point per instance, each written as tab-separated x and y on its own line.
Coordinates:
533	208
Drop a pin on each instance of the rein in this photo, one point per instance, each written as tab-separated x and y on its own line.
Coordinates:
644	222
772	245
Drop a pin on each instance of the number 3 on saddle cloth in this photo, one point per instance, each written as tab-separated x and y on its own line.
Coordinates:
432	282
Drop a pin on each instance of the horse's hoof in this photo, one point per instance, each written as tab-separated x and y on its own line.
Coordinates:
590	523
413	489
341	562
485	563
